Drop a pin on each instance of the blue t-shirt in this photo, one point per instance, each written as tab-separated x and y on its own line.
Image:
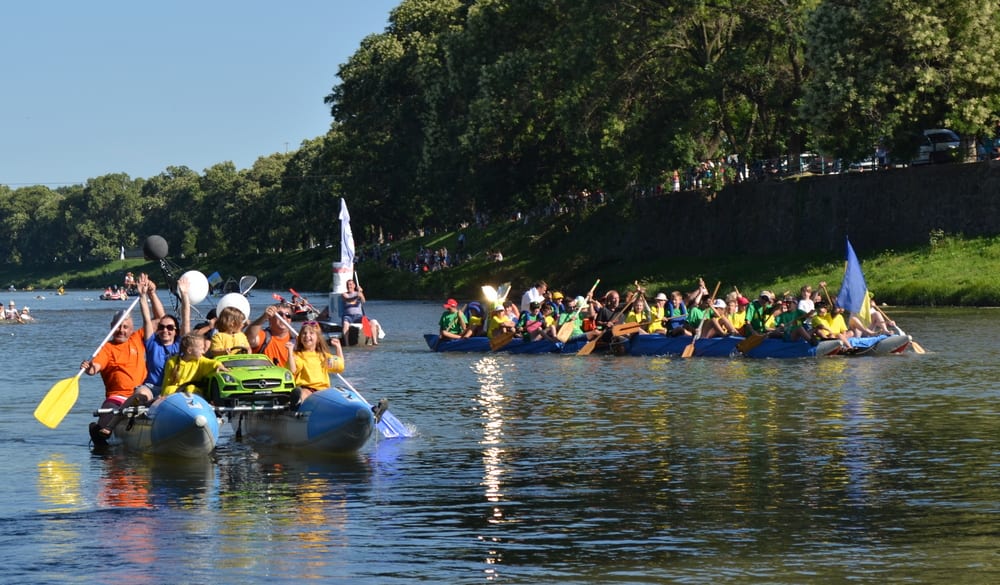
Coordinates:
156	359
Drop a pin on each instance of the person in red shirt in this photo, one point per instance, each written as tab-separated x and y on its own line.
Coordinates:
122	366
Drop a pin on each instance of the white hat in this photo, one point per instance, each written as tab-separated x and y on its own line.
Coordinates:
719	304
661	297
580	301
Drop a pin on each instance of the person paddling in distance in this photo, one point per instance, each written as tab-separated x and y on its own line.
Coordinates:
658	314
499	322
311	362
451	325
122	366
272	341
230	337
183	371
354	302
676	315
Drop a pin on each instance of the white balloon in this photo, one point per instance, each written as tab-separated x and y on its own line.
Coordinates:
197	286
234	300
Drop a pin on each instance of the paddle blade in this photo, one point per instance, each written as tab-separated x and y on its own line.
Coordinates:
502	292
490	294
750	343
58	402
626	329
366	328
391	427
688	350
589	347
500	341
565	332
917	347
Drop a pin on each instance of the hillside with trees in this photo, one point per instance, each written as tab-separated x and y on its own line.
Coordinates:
463	110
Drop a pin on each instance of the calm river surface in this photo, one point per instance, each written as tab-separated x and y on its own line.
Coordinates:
532	469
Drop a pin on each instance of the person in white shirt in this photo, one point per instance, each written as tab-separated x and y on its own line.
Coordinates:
535	294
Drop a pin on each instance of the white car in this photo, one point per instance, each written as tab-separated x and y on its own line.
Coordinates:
939	145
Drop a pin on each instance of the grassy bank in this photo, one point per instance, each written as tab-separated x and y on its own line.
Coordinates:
947	270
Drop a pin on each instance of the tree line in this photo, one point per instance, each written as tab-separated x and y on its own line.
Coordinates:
462	109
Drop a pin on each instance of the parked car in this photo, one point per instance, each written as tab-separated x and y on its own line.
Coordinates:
939	145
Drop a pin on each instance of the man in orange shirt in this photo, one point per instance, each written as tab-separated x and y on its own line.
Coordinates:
272	341
122	365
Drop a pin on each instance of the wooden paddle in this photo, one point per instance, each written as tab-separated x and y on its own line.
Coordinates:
497	342
628	328
63	394
566	330
917	348
689	349
750	343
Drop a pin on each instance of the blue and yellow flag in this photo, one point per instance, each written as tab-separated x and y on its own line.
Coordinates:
853	296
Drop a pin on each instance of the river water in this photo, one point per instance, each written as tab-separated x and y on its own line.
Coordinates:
532	469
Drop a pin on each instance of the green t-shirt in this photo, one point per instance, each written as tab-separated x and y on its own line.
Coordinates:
451	323
696	315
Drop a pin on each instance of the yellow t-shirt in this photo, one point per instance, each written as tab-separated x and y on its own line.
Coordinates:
225	343
179	372
656	315
738	319
311	371
495	322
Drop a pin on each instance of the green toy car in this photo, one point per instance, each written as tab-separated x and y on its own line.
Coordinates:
249	378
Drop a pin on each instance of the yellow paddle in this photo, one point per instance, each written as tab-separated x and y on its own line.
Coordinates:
63	394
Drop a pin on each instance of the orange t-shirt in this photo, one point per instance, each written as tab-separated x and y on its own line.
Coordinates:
276	349
123	365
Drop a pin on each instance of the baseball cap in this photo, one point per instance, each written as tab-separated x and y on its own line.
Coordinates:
768	294
743	301
450	304
719	304
557	295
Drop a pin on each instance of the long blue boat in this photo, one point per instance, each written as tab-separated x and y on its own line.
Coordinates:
661	345
180	425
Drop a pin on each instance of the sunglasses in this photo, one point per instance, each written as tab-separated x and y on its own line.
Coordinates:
310	324
165	328
285	315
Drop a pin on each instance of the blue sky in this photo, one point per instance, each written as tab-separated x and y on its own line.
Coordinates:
126	86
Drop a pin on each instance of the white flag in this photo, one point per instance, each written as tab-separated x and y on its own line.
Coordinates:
346	237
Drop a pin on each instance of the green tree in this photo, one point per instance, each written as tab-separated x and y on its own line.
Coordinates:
890	68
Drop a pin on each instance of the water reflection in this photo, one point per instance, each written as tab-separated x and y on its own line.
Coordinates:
59	485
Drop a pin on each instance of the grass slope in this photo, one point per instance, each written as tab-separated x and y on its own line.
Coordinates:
569	252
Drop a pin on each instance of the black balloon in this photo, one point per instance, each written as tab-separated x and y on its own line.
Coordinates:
155	248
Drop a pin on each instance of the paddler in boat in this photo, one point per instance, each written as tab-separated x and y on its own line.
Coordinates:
11	312
639	313
575	317
658	314
311	362
499	322
451	325
122	366
606	316
272	341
